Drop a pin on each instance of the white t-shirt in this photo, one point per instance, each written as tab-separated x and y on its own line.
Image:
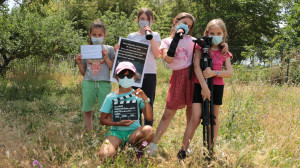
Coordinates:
150	65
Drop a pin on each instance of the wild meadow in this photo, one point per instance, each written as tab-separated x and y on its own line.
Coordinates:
41	123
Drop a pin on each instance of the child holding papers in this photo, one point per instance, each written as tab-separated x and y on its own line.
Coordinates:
96	82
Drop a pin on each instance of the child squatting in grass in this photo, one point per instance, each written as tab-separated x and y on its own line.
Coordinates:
125	131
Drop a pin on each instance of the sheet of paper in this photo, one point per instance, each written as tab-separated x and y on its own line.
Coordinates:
91	51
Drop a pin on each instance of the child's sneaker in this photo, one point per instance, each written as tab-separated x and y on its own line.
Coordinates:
152	148
181	154
139	154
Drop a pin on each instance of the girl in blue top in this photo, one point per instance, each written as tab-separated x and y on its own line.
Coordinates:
125	131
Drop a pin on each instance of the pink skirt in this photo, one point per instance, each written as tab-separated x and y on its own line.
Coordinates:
180	90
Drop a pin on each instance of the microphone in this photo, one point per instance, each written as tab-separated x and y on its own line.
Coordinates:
149	36
181	34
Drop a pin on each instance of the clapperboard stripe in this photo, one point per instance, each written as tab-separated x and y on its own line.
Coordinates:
129	107
119	100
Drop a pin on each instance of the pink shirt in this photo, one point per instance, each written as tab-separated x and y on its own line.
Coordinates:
218	61
183	54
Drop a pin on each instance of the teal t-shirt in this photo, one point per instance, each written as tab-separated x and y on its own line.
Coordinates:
107	107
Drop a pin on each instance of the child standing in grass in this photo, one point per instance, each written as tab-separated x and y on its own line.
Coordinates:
145	18
96	83
125	131
179	59
216	29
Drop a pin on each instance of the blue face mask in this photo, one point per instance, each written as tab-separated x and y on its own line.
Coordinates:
126	83
217	40
97	41
143	23
184	27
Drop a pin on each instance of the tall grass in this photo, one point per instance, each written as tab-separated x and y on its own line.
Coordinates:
40	119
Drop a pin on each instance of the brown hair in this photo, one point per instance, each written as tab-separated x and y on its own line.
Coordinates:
96	25
217	23
147	11
180	16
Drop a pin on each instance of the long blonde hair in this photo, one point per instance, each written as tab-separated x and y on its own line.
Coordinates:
180	16
217	23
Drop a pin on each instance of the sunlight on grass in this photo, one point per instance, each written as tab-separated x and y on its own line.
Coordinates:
40	119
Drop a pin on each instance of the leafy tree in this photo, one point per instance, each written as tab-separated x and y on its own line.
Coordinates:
25	34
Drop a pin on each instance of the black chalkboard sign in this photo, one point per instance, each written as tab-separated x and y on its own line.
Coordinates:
134	52
125	110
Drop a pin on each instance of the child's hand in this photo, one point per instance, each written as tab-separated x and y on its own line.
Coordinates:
205	92
207	73
180	31
116	47
147	28
126	122
140	93
78	59
104	54
225	48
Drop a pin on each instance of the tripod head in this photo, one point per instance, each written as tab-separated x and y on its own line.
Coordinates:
204	42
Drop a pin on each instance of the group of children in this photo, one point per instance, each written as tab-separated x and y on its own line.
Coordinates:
183	91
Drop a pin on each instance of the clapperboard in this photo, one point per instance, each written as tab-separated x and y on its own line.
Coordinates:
125	110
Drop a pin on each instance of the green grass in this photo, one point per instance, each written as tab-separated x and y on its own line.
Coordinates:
40	119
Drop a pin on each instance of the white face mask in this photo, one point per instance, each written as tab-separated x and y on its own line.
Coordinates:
126	83
143	23
217	39
97	41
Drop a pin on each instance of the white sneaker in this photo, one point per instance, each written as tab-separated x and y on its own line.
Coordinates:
189	151
152	148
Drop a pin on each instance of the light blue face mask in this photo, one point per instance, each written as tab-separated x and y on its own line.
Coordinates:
126	83
97	41
184	27
217	40
143	23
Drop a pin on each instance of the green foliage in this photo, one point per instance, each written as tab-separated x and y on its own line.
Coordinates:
29	34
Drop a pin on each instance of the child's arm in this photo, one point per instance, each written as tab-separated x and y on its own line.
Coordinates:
81	66
154	44
168	59
222	74
224	48
106	59
147	110
155	47
205	92
106	119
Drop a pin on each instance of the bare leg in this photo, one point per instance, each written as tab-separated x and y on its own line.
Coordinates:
144	133
192	126
217	126
163	124
109	147
188	114
88	121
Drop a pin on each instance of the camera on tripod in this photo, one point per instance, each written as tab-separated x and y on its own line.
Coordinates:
204	42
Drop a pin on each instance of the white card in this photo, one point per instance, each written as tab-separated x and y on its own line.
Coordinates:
91	51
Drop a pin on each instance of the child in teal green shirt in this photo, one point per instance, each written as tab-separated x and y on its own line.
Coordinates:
125	131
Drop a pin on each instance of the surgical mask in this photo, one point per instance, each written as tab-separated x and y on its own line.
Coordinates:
126	83
143	23
97	41
217	40
184	27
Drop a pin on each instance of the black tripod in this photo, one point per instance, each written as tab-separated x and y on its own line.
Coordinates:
208	117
